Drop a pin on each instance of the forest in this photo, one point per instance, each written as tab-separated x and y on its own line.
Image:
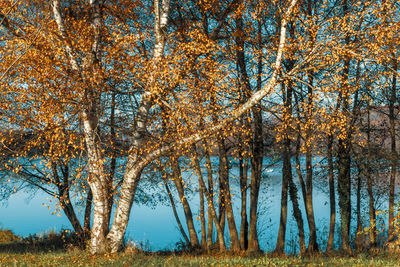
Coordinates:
102	101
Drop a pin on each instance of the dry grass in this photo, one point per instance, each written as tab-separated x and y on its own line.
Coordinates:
60	249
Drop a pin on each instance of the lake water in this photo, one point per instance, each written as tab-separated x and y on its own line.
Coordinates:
155	227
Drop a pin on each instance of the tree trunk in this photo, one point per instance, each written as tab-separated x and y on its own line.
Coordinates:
393	155
69	211
113	163
97	182
194	241
372	214
359	241
286	170
178	221
312	244
332	198
197	168
297	213
90	98
244	225
293	193
64	196
130	182
221	190
344	192
298	170
257	142
224	180
100	212
256	167
344	158
220	234
202	220
210	198
287	165
134	165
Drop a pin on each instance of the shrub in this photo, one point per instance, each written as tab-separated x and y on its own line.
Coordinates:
7	236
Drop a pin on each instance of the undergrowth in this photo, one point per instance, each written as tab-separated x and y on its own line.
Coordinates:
63	249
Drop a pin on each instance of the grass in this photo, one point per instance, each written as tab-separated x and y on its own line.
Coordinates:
77	258
59	249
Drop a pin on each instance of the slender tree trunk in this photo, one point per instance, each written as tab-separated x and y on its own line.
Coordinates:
297	213
90	120
220	233
244	225
113	163
256	167
312	244
178	221
210	198
393	155
359	240
211	209
293	193
332	197
224	180
344	191
344	158
221	185
64	197
298	170
127	195
71	215
194	241
372	214
203	220
286	171
69	211
197	168
257	152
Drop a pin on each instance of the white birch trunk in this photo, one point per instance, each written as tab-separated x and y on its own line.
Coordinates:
89	116
134	166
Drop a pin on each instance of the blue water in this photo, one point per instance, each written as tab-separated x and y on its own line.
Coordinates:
147	226
155	227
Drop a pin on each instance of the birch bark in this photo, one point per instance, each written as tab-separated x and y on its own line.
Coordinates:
134	164
89	96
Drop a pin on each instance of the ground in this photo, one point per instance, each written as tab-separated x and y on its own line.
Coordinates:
62	249
79	258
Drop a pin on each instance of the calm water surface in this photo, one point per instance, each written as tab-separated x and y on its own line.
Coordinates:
156	228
